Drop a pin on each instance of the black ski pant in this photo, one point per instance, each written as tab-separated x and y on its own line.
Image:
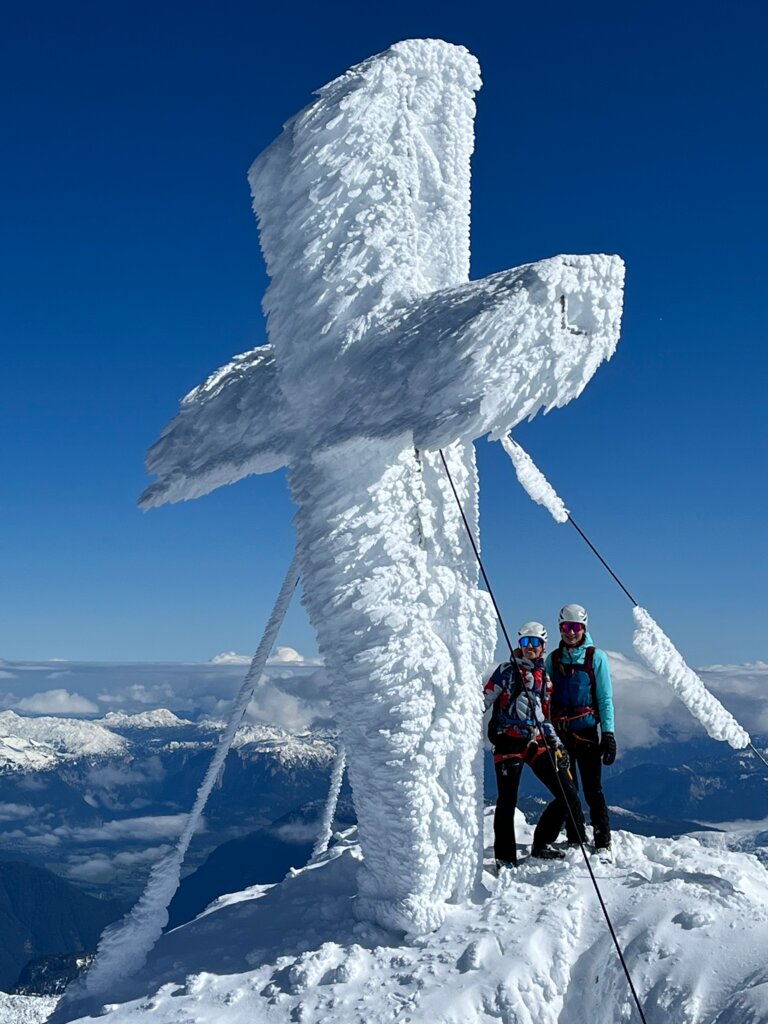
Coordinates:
583	748
508	773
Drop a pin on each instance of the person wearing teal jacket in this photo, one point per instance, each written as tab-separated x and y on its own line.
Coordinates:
582	713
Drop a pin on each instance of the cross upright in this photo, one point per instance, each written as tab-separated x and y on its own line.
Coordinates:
381	353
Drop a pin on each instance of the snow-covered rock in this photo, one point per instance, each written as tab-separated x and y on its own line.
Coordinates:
534	948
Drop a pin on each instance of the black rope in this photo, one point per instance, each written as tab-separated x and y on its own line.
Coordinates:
757	753
592	546
519	681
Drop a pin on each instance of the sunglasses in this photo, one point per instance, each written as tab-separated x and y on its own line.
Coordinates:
531	641
571	627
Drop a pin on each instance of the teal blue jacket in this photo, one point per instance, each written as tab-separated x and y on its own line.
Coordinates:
604	694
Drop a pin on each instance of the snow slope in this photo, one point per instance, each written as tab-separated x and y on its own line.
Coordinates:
692	920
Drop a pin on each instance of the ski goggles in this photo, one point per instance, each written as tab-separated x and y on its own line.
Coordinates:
531	641
571	627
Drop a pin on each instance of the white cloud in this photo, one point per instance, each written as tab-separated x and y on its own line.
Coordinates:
230	658
99	867
157	827
57	702
280	656
13	812
29	838
148	856
137	693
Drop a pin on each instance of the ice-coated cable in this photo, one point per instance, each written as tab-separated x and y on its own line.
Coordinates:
519	682
124	946
649	640
331	802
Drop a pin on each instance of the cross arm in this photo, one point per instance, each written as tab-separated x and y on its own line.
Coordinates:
232	425
482	356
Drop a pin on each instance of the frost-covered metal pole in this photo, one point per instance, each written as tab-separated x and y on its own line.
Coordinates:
124	946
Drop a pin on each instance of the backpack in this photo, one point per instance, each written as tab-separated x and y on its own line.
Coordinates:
567	713
519	709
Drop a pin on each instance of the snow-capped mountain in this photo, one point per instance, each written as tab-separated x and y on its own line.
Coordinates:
100	802
161	718
65	738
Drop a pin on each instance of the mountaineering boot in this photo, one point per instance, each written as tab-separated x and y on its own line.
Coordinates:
547	853
604	853
504	864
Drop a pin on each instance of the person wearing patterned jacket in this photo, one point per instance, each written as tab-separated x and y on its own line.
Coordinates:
521	733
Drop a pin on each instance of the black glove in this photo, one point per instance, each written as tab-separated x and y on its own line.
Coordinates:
563	761
608	748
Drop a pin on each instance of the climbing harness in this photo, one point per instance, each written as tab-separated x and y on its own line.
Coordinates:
516	670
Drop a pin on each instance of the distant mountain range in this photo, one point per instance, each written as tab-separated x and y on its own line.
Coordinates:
99	802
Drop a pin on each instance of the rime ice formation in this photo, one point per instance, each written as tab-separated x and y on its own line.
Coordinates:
381	353
533	481
661	656
329	811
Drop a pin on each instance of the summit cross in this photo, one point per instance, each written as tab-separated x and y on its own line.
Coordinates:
381	353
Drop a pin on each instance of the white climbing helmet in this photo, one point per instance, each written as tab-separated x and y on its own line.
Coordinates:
573	613
533	629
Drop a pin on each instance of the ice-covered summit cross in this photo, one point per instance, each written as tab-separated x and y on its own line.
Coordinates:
381	353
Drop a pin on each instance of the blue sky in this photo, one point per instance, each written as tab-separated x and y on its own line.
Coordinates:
131	269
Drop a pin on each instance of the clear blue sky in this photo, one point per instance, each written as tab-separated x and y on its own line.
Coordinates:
131	269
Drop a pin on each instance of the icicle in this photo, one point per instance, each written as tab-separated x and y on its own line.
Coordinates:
331	802
660	655
125	945
533	480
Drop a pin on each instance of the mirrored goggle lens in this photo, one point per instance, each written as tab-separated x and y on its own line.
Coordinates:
571	627
531	641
